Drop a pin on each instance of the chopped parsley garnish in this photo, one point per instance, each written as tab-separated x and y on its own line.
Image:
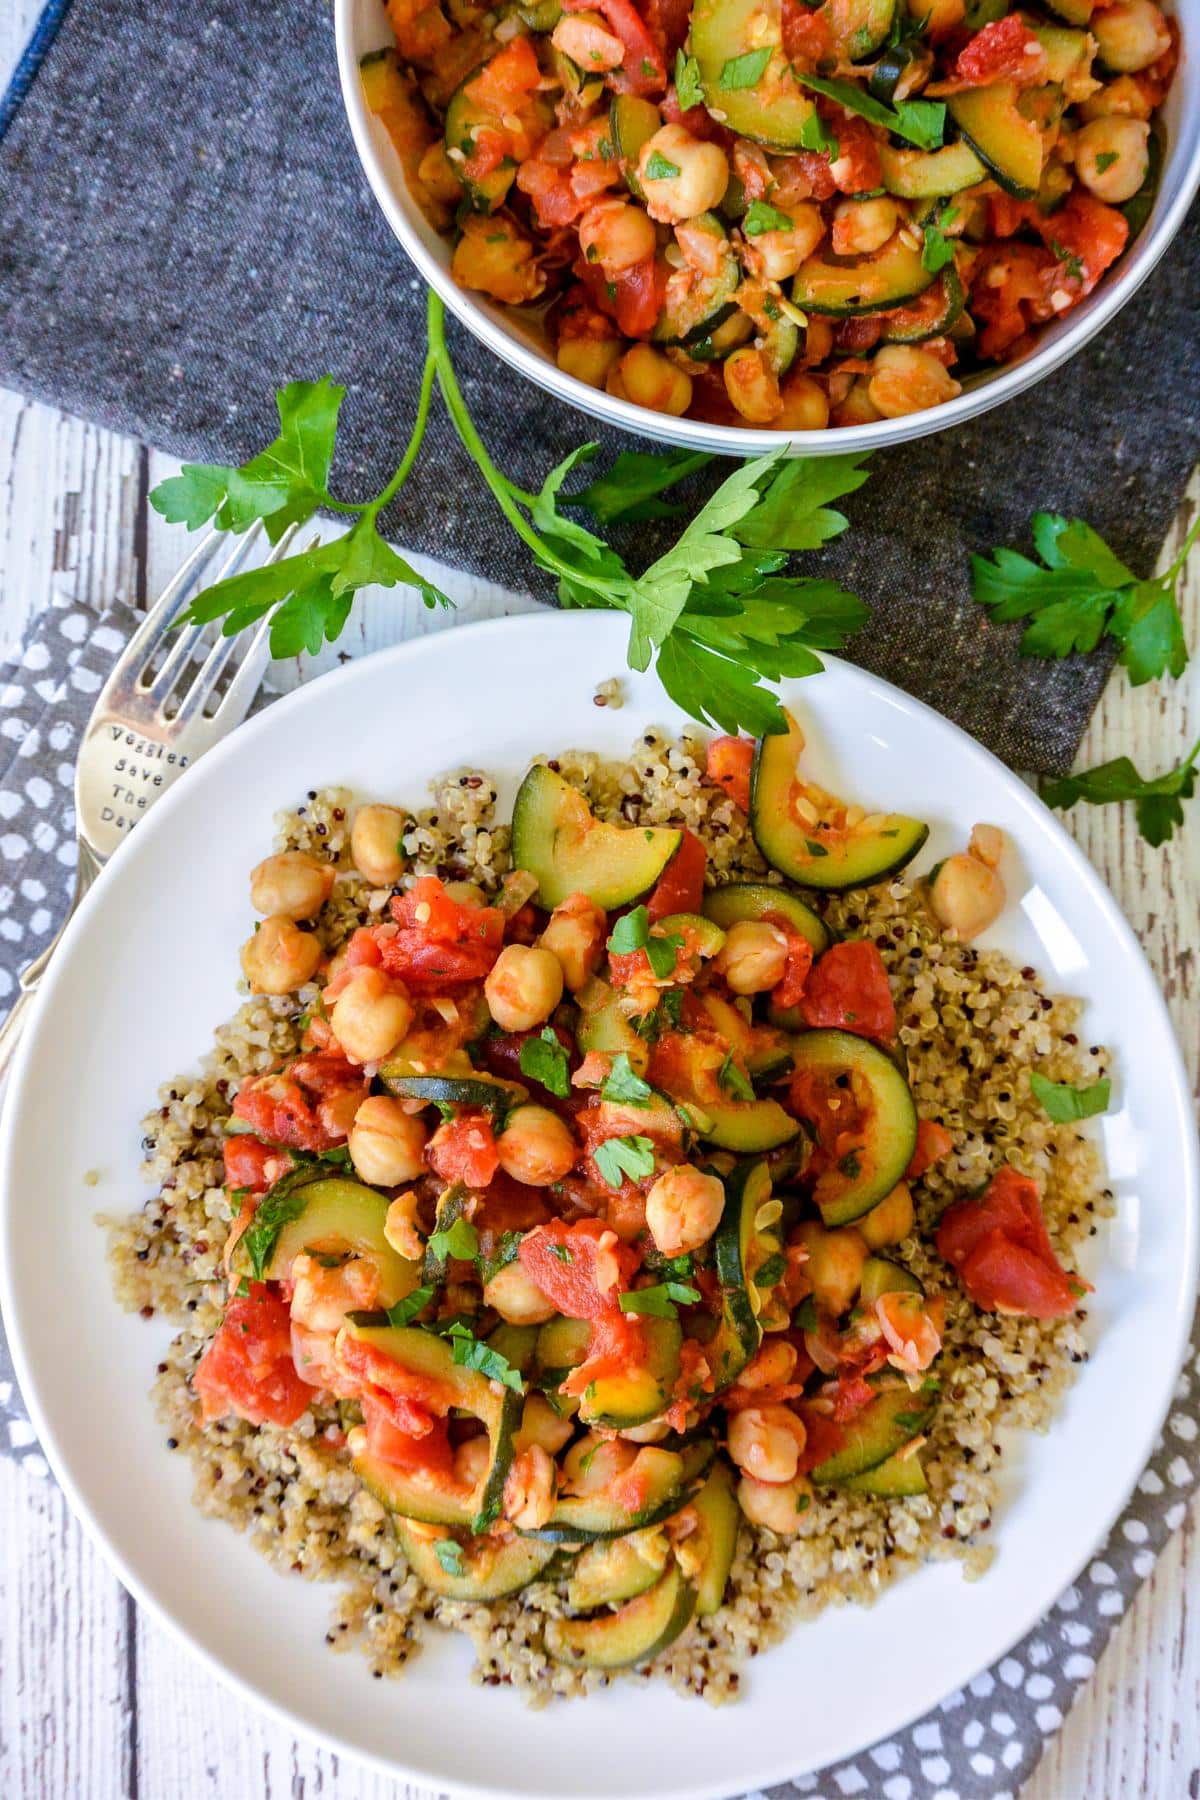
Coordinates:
659	167
281	1205
689	89
919	122
771	1271
760	217
544	1060
937	249
406	1310
624	1086
620	1156
450	1555
1064	1103
660	1301
816	135
1105	160
730	1077
805	1315
460	1240
471	1352
632	933
744	71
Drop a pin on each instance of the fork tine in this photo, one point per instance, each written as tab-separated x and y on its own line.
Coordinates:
223	651
184	647
158	620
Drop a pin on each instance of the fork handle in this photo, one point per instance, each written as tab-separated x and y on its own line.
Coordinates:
14	1025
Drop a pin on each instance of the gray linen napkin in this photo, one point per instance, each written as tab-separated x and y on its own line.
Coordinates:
184	225
979	1744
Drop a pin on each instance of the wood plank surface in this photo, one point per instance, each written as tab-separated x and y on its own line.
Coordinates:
96	1700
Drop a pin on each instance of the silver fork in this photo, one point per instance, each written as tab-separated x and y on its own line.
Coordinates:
150	724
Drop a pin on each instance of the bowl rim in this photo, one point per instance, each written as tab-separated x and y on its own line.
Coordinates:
733	440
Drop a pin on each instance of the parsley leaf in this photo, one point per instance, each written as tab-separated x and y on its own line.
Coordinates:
660	1301
623	1085
631	487
620	1156
281	1205
632	933
771	1271
730	1077
689	89
544	1060
761	216
937	249
815	134
449	1554
470	1352
919	122
659	167
1081	592
1159	799
793	512
744	71
460	1240
1064	1103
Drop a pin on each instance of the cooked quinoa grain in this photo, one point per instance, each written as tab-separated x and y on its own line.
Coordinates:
971	1025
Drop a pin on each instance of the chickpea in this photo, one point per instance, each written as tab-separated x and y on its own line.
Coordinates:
605	1459
907	380
472	1460
370	1016
835	1264
616	234
1112	157
1131	35
1124	98
292	885
529	1490
435	172
575	935
516	1298
536	1146
650	379
779	1505
772	1363
586	39
386	1143
818	340
377	844
683	1209
938	16
860	226
889	1222
590	360
766	1441
280	958
541	1425
776	255
987	843
752	386
652	1432
681	175
495	256
753	956
966	896
523	987
805	405
402	1227
857	408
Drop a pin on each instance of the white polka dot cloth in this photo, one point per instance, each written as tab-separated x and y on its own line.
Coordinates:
981	1743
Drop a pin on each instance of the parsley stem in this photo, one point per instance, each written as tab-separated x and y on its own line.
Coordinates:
416	437
1184	553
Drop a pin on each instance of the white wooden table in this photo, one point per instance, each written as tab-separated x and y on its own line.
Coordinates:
96	1700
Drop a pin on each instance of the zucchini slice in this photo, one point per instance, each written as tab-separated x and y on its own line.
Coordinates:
892	1419
774	109
694	306
672	1475
928	174
859	26
739	1248
737	900
720	1521
899	1477
633	1634
453	1204
889	1128
491	1570
641	1391
331	1216
931	315
617	1569
604	1025
556	837
632	122
482	1093
428	1362
1006	142
706	936
820	856
881	1275
764	1050
848	286
746	1126
893	63
1069	52
562	1345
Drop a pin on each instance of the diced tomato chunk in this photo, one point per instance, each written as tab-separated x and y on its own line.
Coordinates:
680	887
853	1395
440	944
300	1106
933	1142
577	1273
796	968
246	1160
1004	50
464	1149
644	70
807	38
999	1246
848	989
668	21
248	1368
856	169
824	1438
1088	230
638	299
728	765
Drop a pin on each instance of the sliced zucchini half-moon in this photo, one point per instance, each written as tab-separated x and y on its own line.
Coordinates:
557	838
633	1634
728	38
491	1570
1008	144
848	286
892	1420
888	1132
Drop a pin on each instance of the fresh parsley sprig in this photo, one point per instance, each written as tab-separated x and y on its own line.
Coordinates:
1081	592
718	611
919	122
1158	799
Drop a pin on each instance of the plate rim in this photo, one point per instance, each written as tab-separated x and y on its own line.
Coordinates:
241	740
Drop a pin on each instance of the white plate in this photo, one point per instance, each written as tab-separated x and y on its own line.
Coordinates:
148	968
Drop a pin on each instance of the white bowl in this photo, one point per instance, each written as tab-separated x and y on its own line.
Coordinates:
361	26
147	968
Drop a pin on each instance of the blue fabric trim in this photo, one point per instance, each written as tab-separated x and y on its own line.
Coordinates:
44	34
